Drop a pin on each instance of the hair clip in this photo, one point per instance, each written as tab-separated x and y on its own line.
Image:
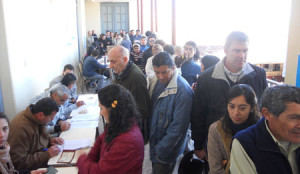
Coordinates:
114	104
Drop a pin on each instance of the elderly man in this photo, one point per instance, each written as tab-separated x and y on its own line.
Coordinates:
59	93
273	144
130	76
212	85
31	147
171	104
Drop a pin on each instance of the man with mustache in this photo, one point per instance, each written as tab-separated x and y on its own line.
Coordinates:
273	144
212	85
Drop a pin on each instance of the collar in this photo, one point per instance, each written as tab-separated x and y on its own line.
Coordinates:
219	72
284	150
124	73
170	89
30	116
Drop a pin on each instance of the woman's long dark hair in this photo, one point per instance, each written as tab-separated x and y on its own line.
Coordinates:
249	94
123	113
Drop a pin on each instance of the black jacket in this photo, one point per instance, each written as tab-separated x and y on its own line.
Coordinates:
209	99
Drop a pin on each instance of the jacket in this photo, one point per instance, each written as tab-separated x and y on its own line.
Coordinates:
209	101
263	151
218	148
133	79
124	154
170	120
91	66
6	166
27	139
190	70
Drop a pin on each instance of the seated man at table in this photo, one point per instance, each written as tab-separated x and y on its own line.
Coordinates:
30	145
59	93
273	144
68	69
91	69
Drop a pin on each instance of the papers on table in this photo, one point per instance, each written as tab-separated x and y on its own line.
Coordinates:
84	124
89	99
76	144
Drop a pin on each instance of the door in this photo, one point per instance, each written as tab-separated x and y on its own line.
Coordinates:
114	16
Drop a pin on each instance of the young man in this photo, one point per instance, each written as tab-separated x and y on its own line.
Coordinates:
137	56
171	100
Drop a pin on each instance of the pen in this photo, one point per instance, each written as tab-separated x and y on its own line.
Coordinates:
45	149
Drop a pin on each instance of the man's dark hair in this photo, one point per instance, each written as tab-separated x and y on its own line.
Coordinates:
3	116
148	33
163	58
275	98
170	49
69	67
209	61
122	110
152	36
68	79
138	30
95	53
45	105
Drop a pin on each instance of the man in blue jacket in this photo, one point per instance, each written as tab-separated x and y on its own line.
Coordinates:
171	101
273	144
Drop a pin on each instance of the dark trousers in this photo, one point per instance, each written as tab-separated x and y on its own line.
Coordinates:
160	168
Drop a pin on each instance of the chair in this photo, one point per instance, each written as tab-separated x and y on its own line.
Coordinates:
86	83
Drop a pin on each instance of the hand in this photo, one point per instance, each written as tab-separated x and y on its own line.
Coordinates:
201	154
79	103
64	125
53	151
38	171
57	140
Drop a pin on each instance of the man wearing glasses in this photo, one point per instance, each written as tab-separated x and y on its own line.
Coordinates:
148	52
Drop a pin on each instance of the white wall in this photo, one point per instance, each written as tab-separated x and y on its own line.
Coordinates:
293	44
93	21
40	37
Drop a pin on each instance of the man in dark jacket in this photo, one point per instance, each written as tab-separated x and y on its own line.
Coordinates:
212	85
148	52
132	78
273	144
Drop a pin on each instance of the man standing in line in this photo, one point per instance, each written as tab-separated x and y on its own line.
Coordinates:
130	76
171	101
273	144
212	85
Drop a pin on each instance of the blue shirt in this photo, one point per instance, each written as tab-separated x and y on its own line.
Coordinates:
190	70
91	66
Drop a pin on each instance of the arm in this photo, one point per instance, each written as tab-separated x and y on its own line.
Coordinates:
177	128
214	150
21	155
198	116
240	162
121	156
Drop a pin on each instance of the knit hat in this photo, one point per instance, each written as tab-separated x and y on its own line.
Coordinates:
136	45
209	60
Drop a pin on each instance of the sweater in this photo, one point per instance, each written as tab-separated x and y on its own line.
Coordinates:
124	154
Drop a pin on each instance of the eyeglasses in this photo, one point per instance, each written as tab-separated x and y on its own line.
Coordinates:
188	49
151	40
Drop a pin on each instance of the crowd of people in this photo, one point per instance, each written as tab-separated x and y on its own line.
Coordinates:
162	98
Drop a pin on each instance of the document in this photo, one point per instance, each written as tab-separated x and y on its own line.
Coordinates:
77	144
84	124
